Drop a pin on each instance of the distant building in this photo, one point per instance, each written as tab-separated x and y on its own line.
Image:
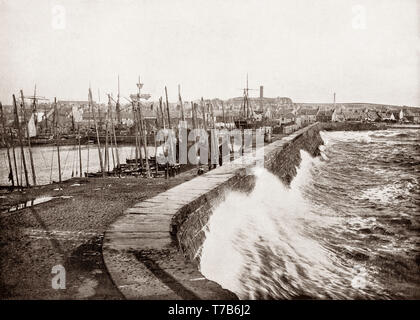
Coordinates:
324	115
338	115
372	116
412	116
289	128
354	115
307	115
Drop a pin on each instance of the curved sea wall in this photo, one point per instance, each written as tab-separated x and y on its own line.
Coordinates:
153	250
280	157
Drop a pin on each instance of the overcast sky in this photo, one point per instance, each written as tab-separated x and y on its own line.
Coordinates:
365	51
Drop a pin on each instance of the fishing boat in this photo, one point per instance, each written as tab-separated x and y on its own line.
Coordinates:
247	119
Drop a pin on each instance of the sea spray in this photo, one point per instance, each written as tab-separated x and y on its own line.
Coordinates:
258	245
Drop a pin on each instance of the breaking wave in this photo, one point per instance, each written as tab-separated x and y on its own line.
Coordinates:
327	235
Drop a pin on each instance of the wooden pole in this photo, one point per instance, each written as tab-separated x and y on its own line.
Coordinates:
3	121
110	130
192	115
157	128
20	141
118	107
97	133
181	104
161	112
57	138
113	130
167	108
144	129
223	111
204	114
14	158
140	136
106	146
28	137
212	115
135	132
80	151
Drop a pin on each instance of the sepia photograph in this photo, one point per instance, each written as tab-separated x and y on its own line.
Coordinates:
225	150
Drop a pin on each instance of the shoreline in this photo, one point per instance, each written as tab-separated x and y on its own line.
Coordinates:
67	230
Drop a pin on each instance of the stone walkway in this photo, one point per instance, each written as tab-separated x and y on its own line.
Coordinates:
140	249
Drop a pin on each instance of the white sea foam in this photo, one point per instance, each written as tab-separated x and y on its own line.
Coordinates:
273	219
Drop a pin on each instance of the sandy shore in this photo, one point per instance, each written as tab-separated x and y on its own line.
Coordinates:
67	230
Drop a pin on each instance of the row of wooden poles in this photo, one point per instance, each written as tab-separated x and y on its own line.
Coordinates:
10	146
139	126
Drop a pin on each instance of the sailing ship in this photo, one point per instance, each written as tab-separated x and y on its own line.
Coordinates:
247	119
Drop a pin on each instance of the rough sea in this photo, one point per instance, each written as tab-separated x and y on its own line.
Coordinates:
348	226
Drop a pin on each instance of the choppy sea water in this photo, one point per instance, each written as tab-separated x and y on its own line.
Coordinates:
348	227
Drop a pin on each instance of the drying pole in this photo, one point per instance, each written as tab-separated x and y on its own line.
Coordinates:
223	111
14	158
117	106
87	146
20	141
167	108
181	104
97	133
144	129
157	128
113	131
28	137
80	151
3	121
204	115
110	130
161	112
135	133
57	138
193	115
106	165
140	136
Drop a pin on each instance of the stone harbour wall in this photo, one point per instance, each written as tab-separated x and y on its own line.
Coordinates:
281	158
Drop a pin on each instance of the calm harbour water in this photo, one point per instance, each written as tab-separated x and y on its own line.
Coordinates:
46	161
348	227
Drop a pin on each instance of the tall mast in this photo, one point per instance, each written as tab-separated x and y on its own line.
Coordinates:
34	107
20	140
181	104
135	125
14	158
115	136
204	114
28	136
97	133
143	128
167	108
223	111
161	113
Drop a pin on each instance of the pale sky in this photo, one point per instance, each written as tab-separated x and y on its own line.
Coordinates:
365	50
